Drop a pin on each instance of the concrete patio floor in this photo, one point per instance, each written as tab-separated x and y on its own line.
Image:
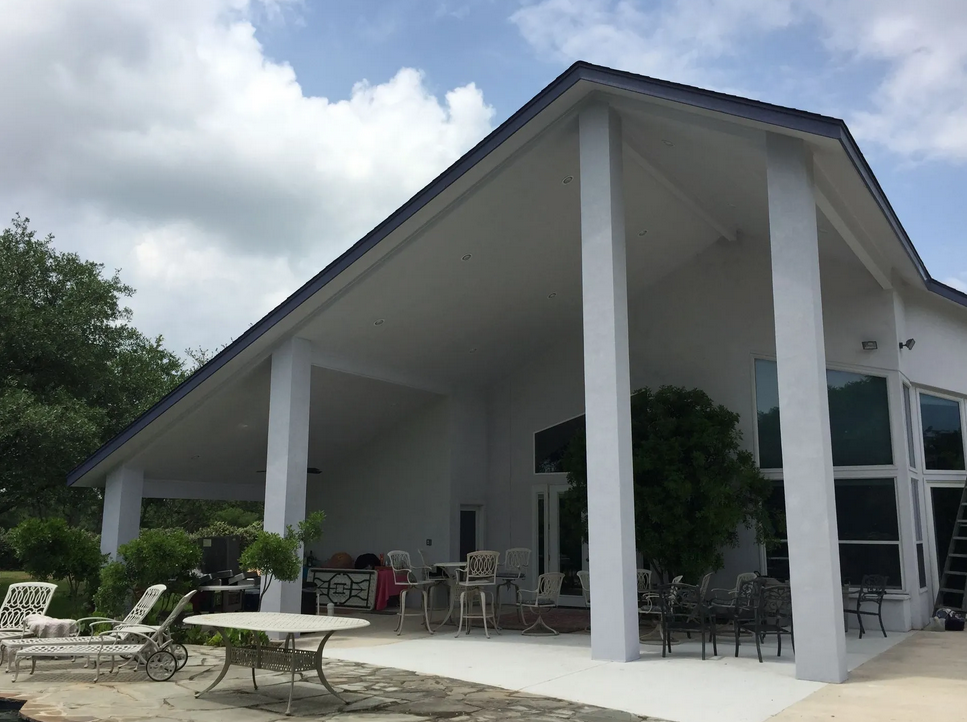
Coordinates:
416	678
62	691
730	689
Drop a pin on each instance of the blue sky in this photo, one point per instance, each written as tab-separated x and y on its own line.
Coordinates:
219	152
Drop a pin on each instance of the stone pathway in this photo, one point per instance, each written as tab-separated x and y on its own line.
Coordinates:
64	692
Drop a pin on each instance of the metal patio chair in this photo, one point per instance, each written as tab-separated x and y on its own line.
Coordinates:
516	563
473	581
540	600
872	591
684	609
415	579
771	613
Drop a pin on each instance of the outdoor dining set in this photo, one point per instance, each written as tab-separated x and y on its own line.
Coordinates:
475	587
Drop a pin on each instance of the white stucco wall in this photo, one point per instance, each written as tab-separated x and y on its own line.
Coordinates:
939	359
392	493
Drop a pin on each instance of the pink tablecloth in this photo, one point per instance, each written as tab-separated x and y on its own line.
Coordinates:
386	587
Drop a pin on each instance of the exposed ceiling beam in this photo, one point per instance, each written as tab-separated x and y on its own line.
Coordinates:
845	225
681	194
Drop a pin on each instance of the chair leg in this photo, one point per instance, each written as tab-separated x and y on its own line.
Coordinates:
779	642
735	629
483	612
859	618
758	647
463	596
399	628
879	615
426	610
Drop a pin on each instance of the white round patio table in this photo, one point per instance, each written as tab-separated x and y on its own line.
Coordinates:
288	658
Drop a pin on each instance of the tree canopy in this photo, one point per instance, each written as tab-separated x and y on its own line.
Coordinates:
73	372
694	484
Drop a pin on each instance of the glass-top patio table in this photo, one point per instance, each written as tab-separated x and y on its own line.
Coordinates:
288	658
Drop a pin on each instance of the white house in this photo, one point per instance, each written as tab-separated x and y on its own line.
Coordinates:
616	232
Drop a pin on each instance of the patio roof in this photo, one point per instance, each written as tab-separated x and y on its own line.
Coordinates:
508	208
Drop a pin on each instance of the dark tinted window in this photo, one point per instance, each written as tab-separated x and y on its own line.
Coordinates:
866	510
943	441
859	418
551	444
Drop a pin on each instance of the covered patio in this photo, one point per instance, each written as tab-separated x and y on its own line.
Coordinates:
617	232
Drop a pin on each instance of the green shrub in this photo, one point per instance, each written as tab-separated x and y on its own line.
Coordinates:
279	557
694	483
50	550
157	556
245	534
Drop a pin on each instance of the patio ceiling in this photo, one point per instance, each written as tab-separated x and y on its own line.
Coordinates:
485	272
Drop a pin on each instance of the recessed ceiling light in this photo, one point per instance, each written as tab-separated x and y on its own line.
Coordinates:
243	426
643	232
196	456
667	142
552	295
567	179
467	257
731	205
473	350
379	321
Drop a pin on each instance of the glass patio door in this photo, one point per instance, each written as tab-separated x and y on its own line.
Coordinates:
558	545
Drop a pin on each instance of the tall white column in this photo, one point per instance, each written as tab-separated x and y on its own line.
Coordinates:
807	459
121	521
607	389
287	456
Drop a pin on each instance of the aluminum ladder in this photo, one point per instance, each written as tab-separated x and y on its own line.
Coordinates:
953	581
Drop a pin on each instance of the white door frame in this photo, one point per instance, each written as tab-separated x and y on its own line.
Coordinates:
552	541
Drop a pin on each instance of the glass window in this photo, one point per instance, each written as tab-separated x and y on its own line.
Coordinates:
767	413
943	442
859	417
908	418
551	444
866	510
869	535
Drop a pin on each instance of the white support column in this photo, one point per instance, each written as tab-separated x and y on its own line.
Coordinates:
122	508
607	389
804	407
287	457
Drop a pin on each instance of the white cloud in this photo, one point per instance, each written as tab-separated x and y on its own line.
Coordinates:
157	137
916	107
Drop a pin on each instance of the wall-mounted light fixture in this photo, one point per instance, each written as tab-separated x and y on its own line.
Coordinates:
908	344
869	345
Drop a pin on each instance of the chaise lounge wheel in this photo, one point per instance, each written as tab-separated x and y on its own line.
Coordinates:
161	666
180	653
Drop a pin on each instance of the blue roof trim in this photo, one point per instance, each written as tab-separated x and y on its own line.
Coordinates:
789	118
948	292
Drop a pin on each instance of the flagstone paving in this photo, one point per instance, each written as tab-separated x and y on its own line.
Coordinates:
61	691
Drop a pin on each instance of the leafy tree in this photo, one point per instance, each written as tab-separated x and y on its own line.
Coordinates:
157	556
694	484
277	556
51	550
194	514
73	372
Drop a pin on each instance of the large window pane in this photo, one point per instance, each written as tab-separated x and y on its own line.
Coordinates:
858	560
866	510
551	444
767	412
943	441
859	418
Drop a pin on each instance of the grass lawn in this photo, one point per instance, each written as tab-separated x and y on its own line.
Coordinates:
59	606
